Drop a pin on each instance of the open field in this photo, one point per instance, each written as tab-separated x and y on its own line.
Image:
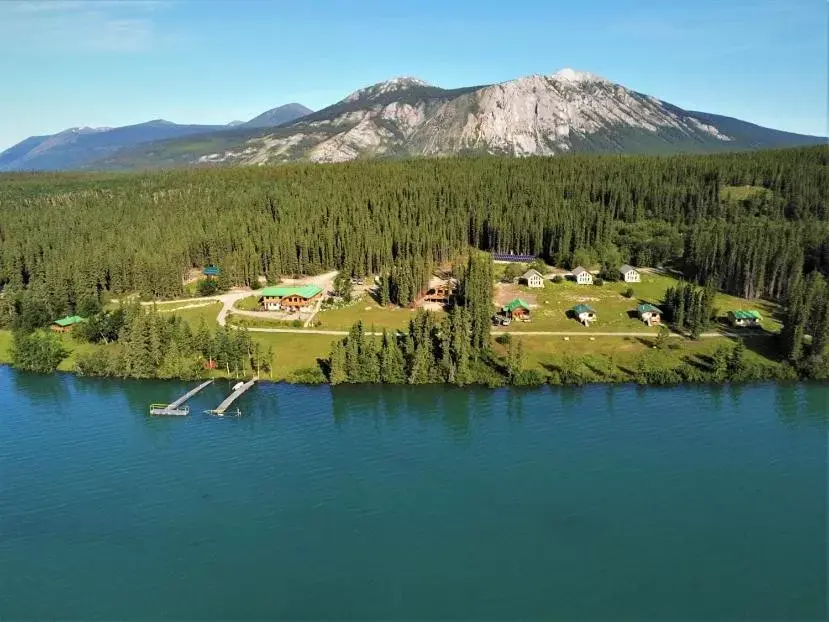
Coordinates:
293	351
367	310
5	346
193	315
741	193
616	313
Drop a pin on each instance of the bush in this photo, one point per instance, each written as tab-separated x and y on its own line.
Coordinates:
628	292
307	375
297	323
208	287
40	351
528	378
558	279
598	281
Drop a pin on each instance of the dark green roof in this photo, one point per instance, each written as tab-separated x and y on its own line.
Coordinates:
742	314
648	308
306	291
583	308
515	304
69	320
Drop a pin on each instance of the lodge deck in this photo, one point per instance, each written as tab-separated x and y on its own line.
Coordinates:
174	408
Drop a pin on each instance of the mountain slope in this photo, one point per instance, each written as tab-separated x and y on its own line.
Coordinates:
76	147
568	111
278	116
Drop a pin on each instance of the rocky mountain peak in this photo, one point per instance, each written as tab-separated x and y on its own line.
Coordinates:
400	83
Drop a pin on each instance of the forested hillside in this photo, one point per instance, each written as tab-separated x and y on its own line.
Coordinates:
66	237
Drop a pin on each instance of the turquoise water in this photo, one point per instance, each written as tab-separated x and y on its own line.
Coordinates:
601	503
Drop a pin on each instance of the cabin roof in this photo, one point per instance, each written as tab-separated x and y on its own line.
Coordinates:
579	270
69	320
624	268
305	291
211	270
583	308
531	272
512	306
648	308
744	314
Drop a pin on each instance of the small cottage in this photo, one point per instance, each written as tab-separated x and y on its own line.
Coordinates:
650	315
741	318
211	272
517	310
532	278
629	274
292	298
66	324
582	276
584	313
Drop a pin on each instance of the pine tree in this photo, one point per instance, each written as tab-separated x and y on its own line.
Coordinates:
392	365
337	372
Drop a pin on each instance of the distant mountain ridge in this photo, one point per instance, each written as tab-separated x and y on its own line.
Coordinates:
78	147
567	111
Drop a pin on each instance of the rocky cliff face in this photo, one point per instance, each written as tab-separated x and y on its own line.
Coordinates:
568	111
534	115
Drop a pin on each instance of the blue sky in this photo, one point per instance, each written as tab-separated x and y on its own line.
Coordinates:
115	62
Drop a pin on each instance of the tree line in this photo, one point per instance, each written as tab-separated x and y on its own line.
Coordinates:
70	238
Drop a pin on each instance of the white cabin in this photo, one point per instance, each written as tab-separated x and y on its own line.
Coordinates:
629	274
582	276
532	278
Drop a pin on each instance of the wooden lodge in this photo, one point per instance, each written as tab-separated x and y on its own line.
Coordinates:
650	315
291	299
517	310
66	324
584	313
439	293
742	318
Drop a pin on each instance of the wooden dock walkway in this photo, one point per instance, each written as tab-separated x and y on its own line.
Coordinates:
222	408
173	408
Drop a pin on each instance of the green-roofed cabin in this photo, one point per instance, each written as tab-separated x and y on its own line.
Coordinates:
211	272
516	310
66	324
290	298
650	315
584	313
741	318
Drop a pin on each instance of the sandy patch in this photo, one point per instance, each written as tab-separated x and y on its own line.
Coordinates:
507	292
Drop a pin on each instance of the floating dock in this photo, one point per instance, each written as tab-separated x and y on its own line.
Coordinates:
177	407
238	389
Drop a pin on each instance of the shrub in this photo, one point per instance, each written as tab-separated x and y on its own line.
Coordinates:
307	375
528	378
558	279
598	281
628	292
40	351
208	287
297	323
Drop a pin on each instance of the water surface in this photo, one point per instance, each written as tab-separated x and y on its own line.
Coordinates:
601	503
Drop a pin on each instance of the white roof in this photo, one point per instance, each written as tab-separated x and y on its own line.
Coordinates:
626	268
579	270
531	272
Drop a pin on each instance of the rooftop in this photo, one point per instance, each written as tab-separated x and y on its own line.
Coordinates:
583	308
743	314
531	272
579	270
626	268
304	291
648	308
512	306
69	320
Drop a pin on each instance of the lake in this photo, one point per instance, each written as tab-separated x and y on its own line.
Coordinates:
354	503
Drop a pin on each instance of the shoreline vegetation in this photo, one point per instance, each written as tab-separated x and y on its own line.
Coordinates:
745	233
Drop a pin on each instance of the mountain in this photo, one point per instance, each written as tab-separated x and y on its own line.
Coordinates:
568	111
279	116
77	147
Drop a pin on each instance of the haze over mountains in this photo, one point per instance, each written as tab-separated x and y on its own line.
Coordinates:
568	111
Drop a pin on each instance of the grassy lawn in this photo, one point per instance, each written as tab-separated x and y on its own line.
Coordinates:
367	310
619	355
193	315
262	322
5	346
294	351
741	193
251	303
616	312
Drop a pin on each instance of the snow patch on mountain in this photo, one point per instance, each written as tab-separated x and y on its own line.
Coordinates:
401	83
